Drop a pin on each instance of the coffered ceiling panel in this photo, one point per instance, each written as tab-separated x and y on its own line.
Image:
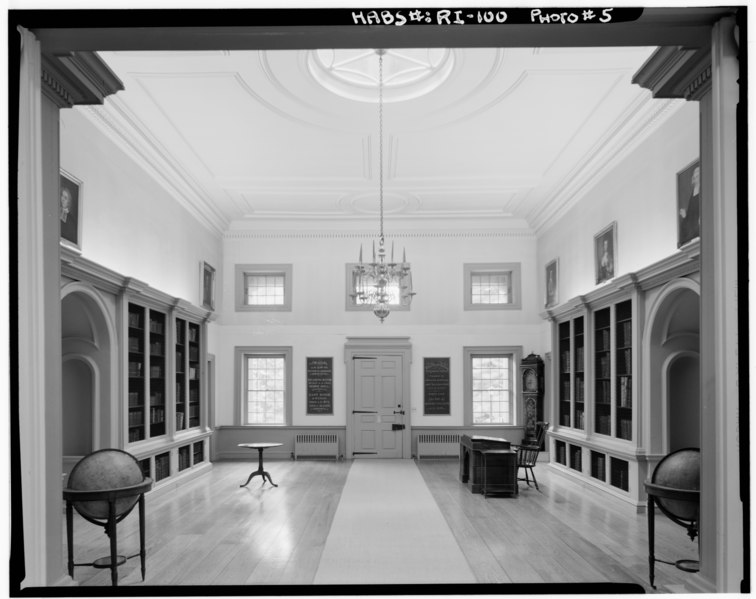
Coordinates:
468	134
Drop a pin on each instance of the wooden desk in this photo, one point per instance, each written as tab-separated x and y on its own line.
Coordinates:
260	447
471	460
499	471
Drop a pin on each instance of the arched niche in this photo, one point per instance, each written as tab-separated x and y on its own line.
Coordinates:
89	370
672	350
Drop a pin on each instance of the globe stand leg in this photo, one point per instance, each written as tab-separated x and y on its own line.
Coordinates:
688	565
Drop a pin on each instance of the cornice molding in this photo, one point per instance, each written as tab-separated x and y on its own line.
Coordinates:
372	234
77	78
126	132
639	122
676	72
682	263
76	267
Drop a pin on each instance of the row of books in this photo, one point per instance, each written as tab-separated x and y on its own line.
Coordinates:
135	399
625	428
624	333
135	320
561	454
136	418
603	366
162	467
157	415
625	361
156	372
156	398
599	466
576	458
135	369
602	339
603	424
156	327
603	391
136	434
135	344
156	348
620	478
184	459
580	419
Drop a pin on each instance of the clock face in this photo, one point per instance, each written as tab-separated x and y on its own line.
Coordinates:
531	383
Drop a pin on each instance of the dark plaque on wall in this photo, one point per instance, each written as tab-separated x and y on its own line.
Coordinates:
320	385
436	387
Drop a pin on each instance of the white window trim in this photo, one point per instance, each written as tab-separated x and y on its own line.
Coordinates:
349	300
240	355
242	270
513	268
515	351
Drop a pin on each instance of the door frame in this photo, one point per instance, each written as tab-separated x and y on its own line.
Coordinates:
373	347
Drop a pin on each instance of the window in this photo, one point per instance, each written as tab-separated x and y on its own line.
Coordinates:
490	385
263	287
354	303
264	380
494	286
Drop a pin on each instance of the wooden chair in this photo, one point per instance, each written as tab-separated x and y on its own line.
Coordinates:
527	453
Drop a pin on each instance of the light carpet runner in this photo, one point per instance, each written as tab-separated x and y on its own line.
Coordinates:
388	530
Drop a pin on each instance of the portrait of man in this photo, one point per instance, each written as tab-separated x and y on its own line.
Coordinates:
69	210
605	250
688	204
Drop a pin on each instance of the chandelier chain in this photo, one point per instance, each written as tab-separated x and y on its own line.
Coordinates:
380	136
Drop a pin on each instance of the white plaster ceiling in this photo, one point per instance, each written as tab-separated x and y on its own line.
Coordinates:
502	136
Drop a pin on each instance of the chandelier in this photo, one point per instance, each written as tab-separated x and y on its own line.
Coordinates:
382	283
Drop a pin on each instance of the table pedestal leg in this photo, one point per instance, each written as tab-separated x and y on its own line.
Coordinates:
260	471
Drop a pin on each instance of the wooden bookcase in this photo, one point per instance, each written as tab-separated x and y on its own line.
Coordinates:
593	385
166	428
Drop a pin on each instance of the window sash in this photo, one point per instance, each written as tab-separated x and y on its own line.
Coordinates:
264	289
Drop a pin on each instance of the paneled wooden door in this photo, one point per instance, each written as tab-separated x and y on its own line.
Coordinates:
378	413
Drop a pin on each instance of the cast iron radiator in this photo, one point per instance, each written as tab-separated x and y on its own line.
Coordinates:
311	445
435	445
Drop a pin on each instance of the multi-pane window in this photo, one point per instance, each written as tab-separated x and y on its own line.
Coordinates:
263	287
491	392
266	390
264	290
266	385
493	286
489	386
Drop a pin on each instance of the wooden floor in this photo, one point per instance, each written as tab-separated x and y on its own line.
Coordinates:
213	534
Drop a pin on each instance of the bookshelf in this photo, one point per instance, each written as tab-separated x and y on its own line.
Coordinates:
578	420
623	356
602	372
565	381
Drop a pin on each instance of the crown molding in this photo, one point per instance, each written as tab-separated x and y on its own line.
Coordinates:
76	267
519	234
126	132
641	119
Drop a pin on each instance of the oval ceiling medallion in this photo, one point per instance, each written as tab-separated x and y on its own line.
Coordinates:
369	203
407	73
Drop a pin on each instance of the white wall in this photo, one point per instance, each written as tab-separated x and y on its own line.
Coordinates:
130	223
319	324
640	194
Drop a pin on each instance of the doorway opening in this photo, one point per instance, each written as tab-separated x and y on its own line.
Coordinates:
378	397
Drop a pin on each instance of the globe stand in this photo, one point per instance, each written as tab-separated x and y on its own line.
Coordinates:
98	490
674	488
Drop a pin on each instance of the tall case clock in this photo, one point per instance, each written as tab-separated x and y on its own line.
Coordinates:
531	375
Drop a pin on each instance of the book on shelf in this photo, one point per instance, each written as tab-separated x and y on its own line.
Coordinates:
600	467
194	354
156	327
156	348
136	418
179	421
135	369
157	415
579	359
134	345
134	320
134	398
626	428
625	392
193	334
135	435
156	372
156	398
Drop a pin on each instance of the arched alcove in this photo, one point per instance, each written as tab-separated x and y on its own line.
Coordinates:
672	349
89	385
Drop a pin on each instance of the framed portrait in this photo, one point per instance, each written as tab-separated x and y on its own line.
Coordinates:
605	252
70	210
552	283
689	203
207	280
